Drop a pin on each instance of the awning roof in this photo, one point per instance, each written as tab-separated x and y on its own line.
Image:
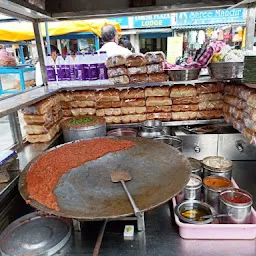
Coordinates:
21	31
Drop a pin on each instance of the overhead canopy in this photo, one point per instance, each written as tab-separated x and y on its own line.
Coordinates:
21	31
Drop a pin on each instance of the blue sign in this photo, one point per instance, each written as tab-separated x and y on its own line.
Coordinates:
152	21
211	17
123	21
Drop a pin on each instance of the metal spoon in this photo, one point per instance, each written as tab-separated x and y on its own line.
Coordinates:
216	216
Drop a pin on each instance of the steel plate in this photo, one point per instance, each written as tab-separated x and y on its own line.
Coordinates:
35	234
158	171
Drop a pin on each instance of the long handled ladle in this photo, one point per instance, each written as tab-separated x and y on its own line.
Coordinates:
123	176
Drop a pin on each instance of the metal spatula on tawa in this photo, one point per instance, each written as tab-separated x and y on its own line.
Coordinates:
123	176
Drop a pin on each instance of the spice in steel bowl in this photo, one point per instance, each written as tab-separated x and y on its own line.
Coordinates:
237	197
216	182
78	122
217	162
194	181
195	214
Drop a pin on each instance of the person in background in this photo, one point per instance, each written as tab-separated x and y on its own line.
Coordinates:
54	53
126	44
109	36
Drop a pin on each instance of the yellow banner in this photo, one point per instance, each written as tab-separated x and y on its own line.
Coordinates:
21	31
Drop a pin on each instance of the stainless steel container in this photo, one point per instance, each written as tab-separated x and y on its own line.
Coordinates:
196	166
125	132
217	166
194	205
226	70
151	129
184	74
170	140
212	194
240	212
192	191
86	132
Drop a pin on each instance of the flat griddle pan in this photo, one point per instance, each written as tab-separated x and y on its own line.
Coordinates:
86	193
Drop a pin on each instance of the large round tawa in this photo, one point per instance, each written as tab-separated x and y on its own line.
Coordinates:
35	234
158	171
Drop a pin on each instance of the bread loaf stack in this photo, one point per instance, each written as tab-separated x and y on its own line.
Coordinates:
185	102
210	98
240	109
234	106
136	68
155	67
203	101
249	117
79	103
108	105
159	103
42	119
117	70
133	105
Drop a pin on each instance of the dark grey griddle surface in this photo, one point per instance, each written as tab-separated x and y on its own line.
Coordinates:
158	172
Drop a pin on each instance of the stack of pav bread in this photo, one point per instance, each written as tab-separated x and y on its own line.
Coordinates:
78	103
42	119
240	109
203	101
137	68
133	105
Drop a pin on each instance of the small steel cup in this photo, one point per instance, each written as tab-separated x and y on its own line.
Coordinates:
240	212
193	192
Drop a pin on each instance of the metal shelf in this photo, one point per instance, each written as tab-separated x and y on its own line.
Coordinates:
170	123
23	10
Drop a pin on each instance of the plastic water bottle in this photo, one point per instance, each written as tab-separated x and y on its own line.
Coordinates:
79	66
67	68
85	66
93	70
87	62
72	70
102	70
60	68
50	70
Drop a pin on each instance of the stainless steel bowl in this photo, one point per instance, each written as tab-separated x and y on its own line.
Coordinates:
126	132
193	192
170	140
196	166
184	74
212	195
194	205
240	212
152	126
222	171
151	129
226	70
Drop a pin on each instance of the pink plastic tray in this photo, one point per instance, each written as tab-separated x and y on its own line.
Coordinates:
217	231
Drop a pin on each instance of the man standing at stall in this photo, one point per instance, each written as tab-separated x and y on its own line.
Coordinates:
109	36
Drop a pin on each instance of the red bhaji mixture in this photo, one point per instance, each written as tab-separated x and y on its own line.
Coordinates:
44	174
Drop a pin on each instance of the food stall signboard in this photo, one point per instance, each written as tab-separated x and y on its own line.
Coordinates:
123	21
174	48
211	17
152	21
